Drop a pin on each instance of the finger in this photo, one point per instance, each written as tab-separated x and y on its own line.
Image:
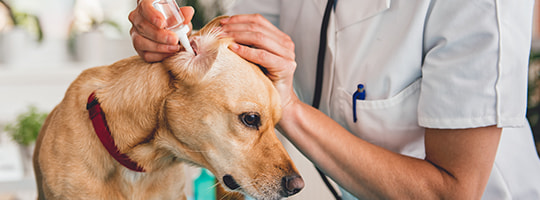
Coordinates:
273	34
264	42
255	30
188	13
150	31
150	14
249	27
252	19
154	57
277	67
280	71
142	43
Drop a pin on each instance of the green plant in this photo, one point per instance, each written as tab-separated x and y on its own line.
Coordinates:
26	21
27	126
30	23
94	25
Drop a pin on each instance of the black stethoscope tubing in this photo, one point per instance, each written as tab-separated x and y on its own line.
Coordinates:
319	80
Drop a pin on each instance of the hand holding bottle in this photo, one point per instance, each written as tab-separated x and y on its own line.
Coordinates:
152	41
175	21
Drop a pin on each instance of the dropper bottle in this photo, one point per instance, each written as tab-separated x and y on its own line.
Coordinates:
174	19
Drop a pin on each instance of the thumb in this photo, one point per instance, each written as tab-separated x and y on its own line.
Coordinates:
188	13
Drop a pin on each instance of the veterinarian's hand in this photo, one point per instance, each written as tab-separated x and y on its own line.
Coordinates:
149	36
266	45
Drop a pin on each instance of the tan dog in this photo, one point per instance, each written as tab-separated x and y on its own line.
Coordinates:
213	109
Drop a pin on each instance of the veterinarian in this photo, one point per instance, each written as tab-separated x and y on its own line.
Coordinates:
438	90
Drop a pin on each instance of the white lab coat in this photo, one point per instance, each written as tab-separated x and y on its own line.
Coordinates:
424	64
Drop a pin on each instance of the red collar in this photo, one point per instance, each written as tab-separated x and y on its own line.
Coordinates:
102	131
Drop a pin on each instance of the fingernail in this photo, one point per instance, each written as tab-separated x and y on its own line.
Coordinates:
234	46
223	21
192	8
158	23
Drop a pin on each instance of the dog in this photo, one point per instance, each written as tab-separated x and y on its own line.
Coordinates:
126	130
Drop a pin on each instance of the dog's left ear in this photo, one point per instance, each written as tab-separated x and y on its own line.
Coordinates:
190	70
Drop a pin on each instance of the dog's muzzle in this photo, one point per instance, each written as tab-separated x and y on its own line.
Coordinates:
290	185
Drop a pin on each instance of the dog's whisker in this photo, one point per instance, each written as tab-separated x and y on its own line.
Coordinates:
215	185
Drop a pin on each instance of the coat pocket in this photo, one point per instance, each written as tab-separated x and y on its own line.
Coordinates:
390	123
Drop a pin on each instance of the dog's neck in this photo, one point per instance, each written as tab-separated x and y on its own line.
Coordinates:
101	128
133	110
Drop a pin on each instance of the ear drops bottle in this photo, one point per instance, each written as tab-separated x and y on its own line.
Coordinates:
175	21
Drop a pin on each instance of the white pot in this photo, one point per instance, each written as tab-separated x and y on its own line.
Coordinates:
11	164
26	157
89	47
13	46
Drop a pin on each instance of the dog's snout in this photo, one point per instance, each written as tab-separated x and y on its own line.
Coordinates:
291	185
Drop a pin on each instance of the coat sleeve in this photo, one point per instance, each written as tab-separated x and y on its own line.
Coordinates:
475	64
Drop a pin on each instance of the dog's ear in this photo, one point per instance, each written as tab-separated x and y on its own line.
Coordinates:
190	70
210	26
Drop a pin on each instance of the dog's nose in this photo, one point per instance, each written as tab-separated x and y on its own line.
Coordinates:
292	184
230	182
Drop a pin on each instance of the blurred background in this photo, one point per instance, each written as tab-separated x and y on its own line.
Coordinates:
45	44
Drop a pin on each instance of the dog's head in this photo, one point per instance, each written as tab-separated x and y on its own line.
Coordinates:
222	114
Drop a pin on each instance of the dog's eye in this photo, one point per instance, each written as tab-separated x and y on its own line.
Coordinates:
251	119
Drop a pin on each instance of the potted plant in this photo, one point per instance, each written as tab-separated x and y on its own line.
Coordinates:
24	131
87	43
15	34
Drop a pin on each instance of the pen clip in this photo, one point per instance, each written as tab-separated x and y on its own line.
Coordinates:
359	94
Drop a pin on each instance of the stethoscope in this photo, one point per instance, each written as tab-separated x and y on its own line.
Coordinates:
319	79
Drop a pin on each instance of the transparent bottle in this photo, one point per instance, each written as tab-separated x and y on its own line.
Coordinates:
175	21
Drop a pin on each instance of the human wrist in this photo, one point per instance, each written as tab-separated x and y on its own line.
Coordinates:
289	110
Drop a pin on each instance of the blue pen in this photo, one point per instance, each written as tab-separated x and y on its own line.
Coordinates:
360	94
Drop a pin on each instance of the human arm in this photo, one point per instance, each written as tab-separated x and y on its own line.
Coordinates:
362	168
150	38
457	164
